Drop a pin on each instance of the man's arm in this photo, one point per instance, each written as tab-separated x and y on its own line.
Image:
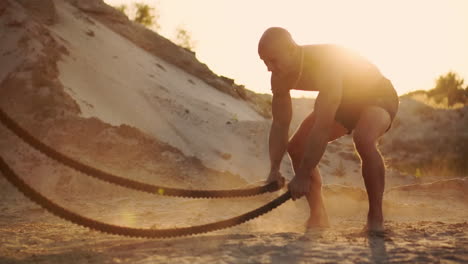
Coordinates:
278	139
326	105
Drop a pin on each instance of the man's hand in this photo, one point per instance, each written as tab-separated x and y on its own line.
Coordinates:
299	186
275	176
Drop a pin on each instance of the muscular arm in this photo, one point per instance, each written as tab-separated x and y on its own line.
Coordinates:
278	140
326	105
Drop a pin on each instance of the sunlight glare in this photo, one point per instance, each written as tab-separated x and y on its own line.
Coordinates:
412	42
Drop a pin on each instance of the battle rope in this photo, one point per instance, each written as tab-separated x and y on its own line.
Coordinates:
63	213
125	182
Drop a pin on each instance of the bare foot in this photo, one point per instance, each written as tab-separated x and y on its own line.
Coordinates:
374	224
374	228
315	222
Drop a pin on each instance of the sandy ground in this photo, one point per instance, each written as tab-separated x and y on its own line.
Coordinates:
28	234
424	242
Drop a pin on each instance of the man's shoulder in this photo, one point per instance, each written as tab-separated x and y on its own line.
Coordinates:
318	55
322	47
329	50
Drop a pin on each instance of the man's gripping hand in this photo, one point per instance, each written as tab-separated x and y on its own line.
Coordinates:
299	186
275	176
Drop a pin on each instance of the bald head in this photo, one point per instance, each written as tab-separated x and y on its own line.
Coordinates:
278	50
276	36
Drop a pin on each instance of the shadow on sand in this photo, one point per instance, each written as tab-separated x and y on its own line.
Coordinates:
285	247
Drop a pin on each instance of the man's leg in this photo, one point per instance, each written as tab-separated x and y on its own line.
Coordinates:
373	123
318	214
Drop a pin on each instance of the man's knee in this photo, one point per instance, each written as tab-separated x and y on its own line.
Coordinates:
316	180
364	144
294	151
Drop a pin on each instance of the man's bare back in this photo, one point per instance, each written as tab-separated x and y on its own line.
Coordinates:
363	84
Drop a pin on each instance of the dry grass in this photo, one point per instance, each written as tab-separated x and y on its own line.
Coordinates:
430	101
340	171
444	162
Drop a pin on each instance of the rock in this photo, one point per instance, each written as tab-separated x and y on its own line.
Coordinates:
98	7
42	10
3	6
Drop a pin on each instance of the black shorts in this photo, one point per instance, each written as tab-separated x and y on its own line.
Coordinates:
385	96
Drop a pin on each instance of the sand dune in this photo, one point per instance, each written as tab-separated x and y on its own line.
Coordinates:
78	76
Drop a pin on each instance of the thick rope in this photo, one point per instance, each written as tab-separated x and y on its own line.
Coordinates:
63	213
125	182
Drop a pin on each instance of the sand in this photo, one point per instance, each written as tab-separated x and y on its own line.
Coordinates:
31	235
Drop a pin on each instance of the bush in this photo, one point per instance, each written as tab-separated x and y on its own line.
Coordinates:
142	14
449	86
184	39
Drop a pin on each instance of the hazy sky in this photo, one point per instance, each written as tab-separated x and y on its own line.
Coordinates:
411	41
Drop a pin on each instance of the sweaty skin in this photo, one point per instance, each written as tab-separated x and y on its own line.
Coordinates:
353	97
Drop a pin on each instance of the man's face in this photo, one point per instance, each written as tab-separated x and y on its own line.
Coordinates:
277	58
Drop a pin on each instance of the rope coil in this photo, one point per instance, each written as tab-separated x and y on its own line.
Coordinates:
125	182
75	218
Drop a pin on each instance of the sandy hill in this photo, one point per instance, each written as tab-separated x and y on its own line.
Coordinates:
90	83
78	72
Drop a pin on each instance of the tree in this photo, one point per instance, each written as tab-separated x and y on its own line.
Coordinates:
145	15
122	8
449	86
184	39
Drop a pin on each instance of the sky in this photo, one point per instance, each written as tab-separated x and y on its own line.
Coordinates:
411	41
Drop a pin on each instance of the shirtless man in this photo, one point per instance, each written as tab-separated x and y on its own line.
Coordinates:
354	97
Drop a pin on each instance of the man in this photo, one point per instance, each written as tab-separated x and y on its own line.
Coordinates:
354	97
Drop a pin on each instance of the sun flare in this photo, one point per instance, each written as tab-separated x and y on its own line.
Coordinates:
412	42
